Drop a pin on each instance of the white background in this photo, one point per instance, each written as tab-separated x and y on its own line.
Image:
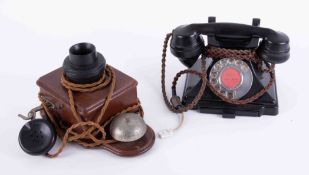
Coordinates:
35	37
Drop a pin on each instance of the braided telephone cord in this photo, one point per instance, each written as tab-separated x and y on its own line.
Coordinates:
215	53
201	74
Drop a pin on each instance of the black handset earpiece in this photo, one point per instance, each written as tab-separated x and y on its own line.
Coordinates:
37	137
187	46
275	52
187	43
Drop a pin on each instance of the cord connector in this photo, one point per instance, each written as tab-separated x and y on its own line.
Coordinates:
165	133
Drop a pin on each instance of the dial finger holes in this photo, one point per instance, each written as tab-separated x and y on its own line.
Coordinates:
231	77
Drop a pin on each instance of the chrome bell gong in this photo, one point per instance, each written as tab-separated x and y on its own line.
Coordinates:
128	127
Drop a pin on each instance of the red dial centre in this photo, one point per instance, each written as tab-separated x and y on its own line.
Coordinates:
230	78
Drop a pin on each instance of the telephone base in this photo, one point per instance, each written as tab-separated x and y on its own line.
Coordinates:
267	104
229	111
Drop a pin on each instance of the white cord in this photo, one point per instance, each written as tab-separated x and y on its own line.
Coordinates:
169	132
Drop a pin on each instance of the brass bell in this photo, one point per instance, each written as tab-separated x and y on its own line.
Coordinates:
128	127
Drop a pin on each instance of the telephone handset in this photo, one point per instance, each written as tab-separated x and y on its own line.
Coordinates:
187	43
235	73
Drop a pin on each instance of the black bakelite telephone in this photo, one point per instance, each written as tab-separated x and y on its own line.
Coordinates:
235	75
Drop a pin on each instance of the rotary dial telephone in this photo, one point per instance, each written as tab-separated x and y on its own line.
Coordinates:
233	75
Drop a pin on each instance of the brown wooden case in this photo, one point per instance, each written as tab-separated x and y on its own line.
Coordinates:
88	105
